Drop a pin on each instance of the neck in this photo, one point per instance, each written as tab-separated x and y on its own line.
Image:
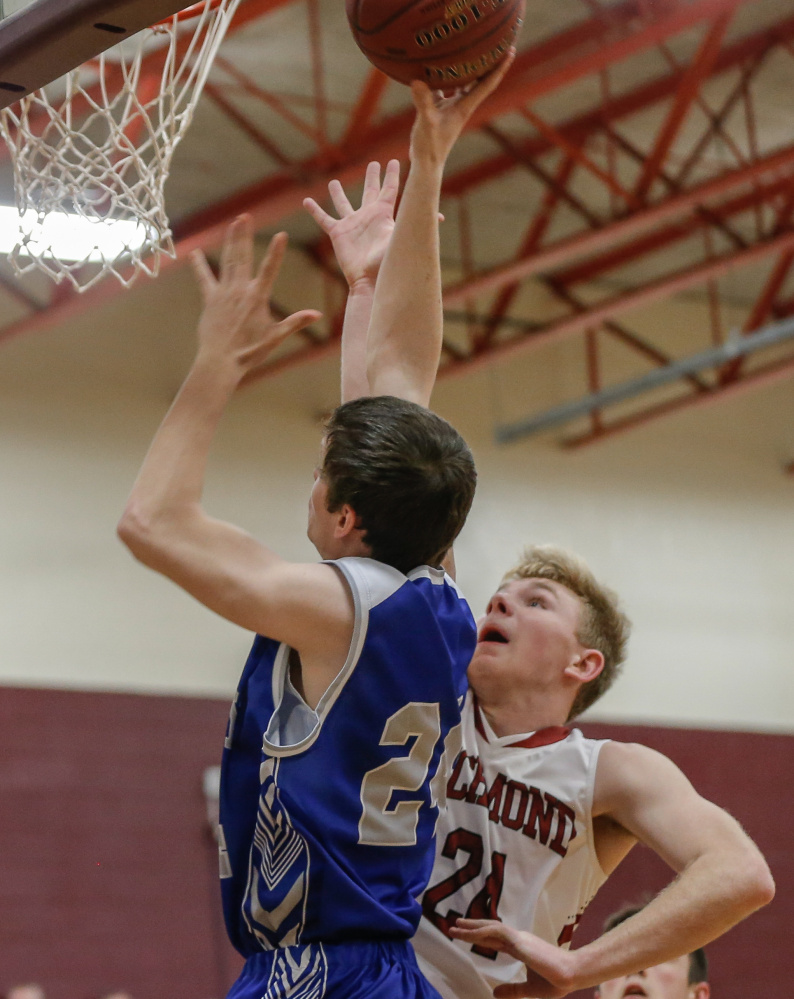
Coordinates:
349	547
516	718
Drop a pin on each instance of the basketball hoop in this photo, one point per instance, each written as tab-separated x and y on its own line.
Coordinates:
97	146
189	13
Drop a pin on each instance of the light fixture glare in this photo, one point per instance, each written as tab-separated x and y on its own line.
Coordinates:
68	236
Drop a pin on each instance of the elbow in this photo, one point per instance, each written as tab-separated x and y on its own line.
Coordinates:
137	532
758	885
763	884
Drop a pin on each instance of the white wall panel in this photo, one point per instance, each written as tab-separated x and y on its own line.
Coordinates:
690	519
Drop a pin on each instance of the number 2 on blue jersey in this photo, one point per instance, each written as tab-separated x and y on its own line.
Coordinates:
383	826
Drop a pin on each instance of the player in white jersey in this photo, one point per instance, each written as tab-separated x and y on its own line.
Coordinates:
515	843
540	660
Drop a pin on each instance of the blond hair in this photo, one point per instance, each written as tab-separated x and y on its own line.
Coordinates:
603	624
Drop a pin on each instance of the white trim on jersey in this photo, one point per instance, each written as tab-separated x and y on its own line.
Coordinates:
370	583
436	576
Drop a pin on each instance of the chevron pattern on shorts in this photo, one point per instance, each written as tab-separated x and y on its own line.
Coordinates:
298	974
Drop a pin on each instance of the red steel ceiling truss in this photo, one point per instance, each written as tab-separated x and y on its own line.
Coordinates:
726	218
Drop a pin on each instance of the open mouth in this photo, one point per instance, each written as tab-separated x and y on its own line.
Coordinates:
634	990
491	634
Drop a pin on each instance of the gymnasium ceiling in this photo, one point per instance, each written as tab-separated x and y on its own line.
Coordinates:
638	158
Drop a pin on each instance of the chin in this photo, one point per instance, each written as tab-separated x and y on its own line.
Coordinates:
480	670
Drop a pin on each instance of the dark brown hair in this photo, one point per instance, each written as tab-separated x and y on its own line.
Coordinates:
407	474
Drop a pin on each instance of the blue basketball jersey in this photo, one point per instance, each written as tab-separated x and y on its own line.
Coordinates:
328	815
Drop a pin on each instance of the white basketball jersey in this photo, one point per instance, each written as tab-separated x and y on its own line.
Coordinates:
516	844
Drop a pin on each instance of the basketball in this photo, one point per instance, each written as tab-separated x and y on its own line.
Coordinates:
446	43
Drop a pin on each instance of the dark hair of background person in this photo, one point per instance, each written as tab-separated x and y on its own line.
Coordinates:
698	962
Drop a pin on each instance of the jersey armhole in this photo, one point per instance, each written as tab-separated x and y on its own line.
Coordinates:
335	687
590	794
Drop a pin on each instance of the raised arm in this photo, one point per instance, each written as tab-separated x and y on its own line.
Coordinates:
405	337
164	523
359	238
722	878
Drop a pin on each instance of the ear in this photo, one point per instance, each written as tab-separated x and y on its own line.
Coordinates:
346	522
586	666
700	991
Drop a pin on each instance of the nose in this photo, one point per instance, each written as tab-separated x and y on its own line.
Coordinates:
499	604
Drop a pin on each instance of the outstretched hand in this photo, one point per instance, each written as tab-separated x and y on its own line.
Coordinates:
237	324
361	236
550	970
440	120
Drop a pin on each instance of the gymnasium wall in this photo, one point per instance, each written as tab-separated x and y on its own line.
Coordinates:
108	873
116	685
689	518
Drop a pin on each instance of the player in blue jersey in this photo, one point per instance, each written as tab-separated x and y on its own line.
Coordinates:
345	717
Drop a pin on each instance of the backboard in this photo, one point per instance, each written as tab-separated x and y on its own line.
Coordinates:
40	40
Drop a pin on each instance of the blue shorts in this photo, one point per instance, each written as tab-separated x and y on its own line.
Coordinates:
355	970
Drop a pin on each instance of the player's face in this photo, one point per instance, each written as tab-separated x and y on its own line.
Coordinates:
528	635
664	981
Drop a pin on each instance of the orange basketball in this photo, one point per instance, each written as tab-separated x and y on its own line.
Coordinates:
446	43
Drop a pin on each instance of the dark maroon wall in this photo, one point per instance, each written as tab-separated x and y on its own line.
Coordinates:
108	874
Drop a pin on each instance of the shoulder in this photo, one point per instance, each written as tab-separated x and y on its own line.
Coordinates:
379	581
308	604
371	581
304	581
630	771
631	758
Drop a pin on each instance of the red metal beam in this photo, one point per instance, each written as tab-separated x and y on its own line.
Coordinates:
716	123
532	239
561	60
585	320
768	374
318	72
576	153
532	75
588	243
279	199
577	129
620	304
662	238
256	135
698	71
273	101
548	179
765	303
367	106
619	332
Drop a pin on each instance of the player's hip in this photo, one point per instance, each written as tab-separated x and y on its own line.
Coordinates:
383	969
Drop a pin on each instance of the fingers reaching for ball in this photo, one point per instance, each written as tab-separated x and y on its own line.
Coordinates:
441	119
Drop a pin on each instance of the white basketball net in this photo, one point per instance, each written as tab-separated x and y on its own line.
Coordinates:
97	146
